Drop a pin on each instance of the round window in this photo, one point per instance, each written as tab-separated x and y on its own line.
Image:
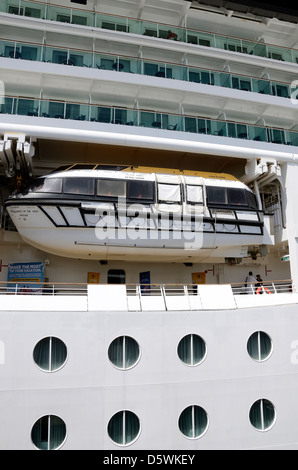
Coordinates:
124	352
262	414
193	421
124	427
50	354
192	350
48	433
259	346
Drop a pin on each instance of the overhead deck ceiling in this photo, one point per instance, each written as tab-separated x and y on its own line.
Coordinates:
51	154
268	9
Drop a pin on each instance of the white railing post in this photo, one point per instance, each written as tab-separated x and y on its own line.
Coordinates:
273	285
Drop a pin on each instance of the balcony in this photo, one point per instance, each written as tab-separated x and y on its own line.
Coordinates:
87	18
98	60
95	113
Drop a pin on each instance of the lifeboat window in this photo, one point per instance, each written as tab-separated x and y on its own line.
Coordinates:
143	190
217	195
83	186
111	188
194	194
237	197
169	193
251	200
47	185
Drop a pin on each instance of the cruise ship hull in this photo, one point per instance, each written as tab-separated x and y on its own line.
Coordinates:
85	392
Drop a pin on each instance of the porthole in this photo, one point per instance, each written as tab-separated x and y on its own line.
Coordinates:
262	414
48	433
193	422
259	346
50	354
192	350
124	352
124	427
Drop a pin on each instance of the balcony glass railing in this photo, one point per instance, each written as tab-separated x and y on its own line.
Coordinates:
81	58
93	19
149	119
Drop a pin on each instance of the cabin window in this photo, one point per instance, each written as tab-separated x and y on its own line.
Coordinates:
124	427
192	350
217	195
111	188
262	414
124	352
237	196
50	354
169	193
193	421
48	432
84	186
259	346
194	194
47	185
140	190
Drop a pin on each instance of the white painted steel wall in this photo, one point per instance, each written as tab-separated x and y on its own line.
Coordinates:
88	390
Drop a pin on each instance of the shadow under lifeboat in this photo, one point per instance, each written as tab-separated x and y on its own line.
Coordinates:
137	214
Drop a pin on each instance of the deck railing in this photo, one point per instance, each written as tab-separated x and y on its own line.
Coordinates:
36	288
139	290
28	296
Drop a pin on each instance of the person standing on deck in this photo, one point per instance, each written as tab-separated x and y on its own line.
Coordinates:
250	283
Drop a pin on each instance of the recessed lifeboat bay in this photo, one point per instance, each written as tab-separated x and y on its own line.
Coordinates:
136	213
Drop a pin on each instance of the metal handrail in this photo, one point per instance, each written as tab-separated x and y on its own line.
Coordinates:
139	290
163	290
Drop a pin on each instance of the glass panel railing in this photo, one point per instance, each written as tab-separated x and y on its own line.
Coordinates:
261	86
24	8
26	107
15	50
117	63
113	23
61	110
7	105
151	119
67	57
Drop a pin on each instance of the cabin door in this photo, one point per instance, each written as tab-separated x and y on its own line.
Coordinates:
116	276
199	278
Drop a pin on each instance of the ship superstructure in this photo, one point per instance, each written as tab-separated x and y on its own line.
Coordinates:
123	126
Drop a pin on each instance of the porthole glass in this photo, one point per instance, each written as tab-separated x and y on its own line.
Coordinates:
193	421
192	350
262	414
124	427
48	433
50	354
259	346
124	352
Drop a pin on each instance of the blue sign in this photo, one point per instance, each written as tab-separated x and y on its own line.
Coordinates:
21	276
